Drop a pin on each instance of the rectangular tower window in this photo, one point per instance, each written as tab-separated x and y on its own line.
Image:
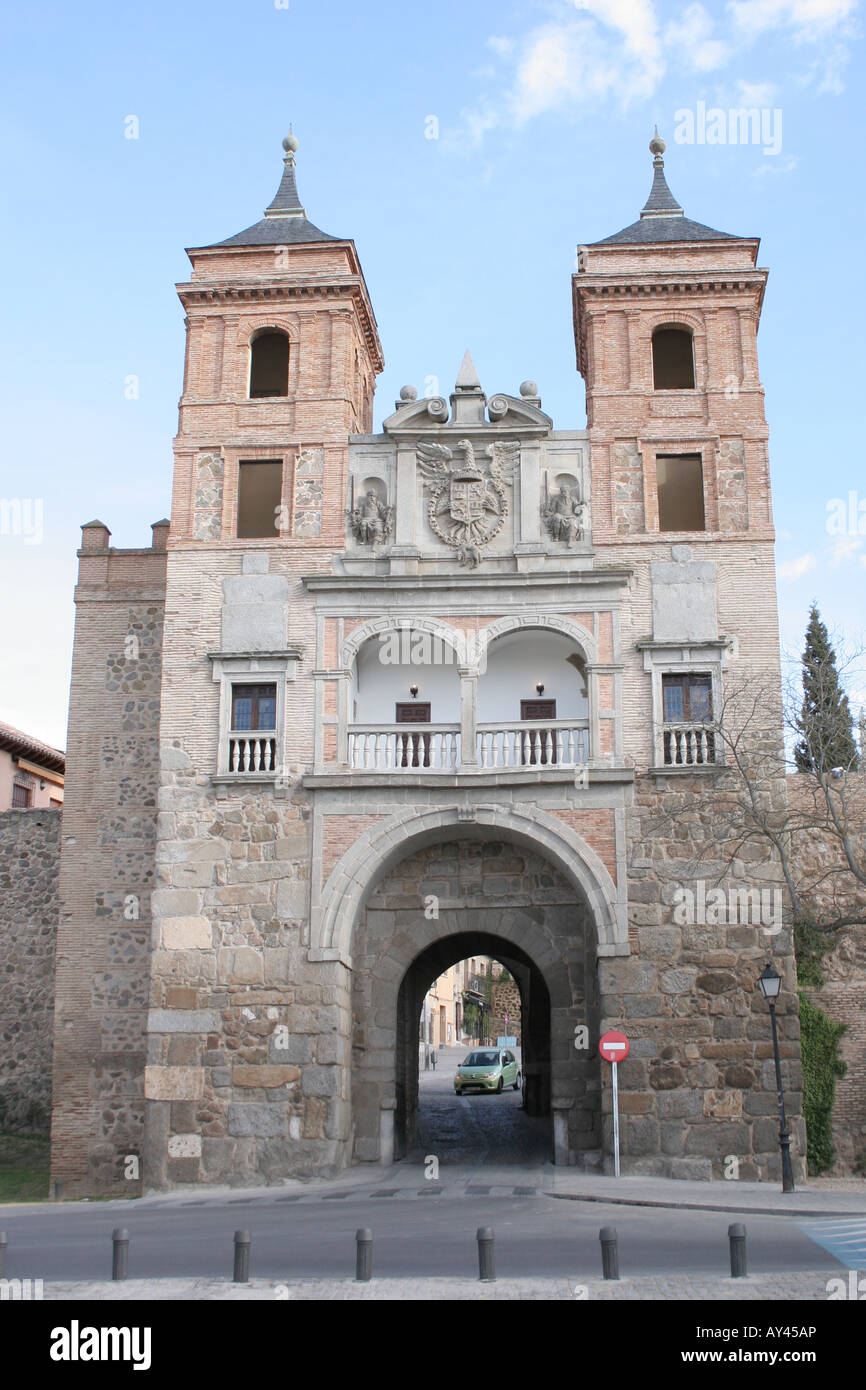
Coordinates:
680	492
673	360
254	707
260	487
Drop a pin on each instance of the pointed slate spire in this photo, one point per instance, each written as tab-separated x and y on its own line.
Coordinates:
285	221
662	219
661	202
286	202
467	377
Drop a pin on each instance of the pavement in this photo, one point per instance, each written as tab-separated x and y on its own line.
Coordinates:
789	1287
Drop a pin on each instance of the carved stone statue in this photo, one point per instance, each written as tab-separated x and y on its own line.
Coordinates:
565	515
372	521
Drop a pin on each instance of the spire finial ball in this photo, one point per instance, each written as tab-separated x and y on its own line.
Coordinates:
290	143
657	144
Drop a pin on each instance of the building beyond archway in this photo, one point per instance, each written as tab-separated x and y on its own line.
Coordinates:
474	896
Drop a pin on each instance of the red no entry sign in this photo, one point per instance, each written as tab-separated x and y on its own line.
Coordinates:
614	1047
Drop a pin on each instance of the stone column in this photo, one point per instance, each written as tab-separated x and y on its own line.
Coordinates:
468	716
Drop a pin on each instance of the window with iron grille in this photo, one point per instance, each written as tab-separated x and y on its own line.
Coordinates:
21	796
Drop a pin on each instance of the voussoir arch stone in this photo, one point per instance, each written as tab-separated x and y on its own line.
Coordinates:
376	851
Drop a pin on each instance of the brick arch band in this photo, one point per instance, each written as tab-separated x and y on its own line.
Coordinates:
457	640
376	852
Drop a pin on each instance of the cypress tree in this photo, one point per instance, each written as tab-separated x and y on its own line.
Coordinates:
825	721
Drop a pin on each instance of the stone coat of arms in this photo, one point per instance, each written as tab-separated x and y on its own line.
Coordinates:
468	503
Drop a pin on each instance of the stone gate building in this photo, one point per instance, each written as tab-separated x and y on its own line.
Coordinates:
374	703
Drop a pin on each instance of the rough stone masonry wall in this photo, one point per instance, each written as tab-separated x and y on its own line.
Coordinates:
505	999
698	1088
29	907
107	867
246	1075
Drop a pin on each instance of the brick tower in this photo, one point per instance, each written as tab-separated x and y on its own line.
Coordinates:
666	316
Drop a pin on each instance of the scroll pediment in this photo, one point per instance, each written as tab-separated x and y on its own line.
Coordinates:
469	408
500	412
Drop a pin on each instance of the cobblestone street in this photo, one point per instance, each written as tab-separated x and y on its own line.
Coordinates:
479	1127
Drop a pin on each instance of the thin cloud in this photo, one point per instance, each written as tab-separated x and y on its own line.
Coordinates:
693	36
795	569
596	52
845	548
806	19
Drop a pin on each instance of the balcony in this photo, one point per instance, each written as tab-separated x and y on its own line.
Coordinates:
250	752
562	743
688	745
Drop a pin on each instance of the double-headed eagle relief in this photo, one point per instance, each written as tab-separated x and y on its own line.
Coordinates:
468	504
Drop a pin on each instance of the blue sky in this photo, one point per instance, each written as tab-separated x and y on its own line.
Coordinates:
543	112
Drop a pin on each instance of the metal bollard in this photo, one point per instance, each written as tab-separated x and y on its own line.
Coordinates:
363	1255
609	1253
737	1238
119	1252
486	1262
241	1273
4	1245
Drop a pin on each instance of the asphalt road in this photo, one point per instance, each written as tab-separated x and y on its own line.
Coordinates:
429	1231
491	1162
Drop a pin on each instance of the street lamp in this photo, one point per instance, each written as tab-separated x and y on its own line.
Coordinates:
770	982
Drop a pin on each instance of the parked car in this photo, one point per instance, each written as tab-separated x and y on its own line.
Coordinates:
487	1069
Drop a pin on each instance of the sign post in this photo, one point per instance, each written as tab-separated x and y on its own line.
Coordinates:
614	1048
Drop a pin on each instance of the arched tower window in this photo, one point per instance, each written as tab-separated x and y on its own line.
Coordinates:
673	360
269	364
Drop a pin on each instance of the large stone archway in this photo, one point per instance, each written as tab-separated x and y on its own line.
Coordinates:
336	910
438	903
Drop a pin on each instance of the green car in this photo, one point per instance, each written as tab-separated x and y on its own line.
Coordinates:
488	1069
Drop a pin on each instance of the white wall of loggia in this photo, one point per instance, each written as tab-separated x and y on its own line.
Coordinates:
515	664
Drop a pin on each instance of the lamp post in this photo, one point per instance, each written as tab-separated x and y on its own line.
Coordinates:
770	981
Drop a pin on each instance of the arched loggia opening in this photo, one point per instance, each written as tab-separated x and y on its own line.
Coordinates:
535	1041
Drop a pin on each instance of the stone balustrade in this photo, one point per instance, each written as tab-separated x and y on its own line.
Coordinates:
252	752
688	744
438	747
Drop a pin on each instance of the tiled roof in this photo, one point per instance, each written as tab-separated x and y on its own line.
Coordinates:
14	741
665	229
